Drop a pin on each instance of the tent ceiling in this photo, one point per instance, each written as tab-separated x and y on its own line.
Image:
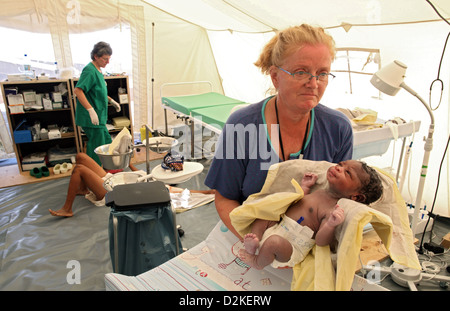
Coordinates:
266	15
211	14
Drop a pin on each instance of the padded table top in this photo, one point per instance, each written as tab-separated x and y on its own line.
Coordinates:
185	104
214	116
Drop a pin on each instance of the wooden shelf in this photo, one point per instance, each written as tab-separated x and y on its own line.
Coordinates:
62	117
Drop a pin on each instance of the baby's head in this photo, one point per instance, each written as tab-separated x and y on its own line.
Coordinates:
355	180
372	188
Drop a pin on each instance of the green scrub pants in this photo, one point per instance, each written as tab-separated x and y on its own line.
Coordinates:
97	136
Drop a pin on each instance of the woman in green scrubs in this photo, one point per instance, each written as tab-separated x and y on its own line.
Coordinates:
92	100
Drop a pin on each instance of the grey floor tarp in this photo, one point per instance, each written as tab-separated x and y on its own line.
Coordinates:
36	248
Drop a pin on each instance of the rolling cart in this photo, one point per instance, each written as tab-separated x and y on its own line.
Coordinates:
142	226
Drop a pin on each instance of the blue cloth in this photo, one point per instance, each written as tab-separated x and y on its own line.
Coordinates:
244	151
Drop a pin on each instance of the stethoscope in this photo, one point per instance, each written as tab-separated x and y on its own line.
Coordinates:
438	80
280	139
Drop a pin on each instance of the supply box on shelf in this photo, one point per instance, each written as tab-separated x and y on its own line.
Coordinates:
22	136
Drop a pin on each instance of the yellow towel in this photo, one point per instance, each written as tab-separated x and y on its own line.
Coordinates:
269	207
362	119
402	249
388	216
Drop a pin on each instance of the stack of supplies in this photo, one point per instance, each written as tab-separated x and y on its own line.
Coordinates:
58	155
33	160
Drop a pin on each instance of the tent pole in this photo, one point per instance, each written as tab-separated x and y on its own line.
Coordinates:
153	76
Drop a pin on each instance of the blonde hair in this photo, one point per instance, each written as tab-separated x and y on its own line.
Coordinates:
285	41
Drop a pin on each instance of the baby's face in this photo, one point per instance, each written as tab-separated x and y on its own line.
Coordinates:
345	177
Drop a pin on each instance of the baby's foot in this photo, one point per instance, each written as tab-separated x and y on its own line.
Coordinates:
251	243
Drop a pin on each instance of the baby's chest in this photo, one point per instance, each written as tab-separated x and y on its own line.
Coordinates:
309	210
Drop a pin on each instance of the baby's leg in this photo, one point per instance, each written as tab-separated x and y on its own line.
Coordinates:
275	247
251	240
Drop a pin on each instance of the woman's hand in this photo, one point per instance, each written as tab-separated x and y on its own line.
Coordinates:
114	103
94	116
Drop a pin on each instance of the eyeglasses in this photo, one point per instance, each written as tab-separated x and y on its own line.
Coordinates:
306	76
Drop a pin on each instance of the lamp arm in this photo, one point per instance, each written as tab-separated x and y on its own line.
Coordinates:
412	92
428	147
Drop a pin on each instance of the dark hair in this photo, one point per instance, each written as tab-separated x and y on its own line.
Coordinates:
101	48
373	188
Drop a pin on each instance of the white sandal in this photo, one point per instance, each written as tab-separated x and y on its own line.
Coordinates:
65	167
57	169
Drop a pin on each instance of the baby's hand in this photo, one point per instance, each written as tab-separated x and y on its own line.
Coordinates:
336	217
309	179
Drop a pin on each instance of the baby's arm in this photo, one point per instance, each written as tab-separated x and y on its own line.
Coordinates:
308	180
325	234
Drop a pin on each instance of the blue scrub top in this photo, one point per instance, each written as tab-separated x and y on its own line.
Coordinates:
244	152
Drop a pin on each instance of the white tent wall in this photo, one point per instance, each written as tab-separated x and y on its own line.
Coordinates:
420	47
182	53
218	41
235	55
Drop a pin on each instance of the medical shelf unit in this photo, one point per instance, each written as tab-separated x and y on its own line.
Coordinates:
113	83
59	116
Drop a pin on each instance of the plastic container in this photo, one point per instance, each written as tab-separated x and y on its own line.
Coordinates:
143	133
22	135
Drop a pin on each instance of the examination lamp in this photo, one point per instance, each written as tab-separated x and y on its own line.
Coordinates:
389	80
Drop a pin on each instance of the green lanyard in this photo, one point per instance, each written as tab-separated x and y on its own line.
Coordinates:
279	134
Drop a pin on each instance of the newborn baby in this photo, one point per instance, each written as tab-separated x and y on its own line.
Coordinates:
311	220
